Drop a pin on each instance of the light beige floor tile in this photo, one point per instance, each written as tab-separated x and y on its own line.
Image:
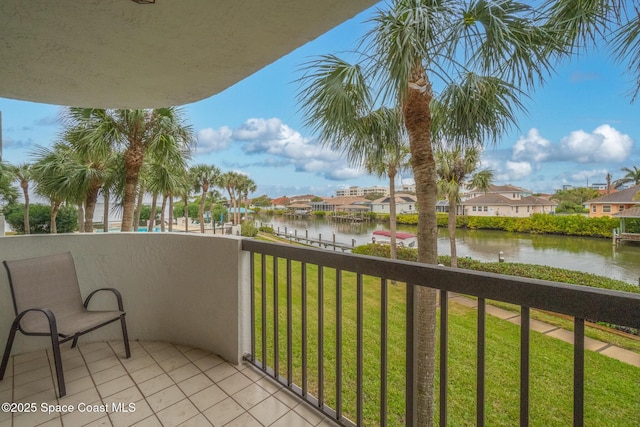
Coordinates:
269	385
99	354
151	421
220	372
100	422
244	420
197	421
208	397
109	374
57	422
195	384
165	353
291	419
40	355
114	386
250	396
33	418
165	398
155	384
124	397
269	410
77	418
102	364
286	397
7	382
142	411
251	372
184	372
72	374
234	383
90	395
78	386
308	413
208	362
33	375
183	348
133	365
223	412
327	423
147	373
90	347
173	363
195	354
177	413
34	387
154	345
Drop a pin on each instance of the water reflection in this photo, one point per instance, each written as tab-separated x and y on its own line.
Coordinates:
590	255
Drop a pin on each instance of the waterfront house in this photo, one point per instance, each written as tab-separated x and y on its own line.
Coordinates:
505	200
611	204
405	204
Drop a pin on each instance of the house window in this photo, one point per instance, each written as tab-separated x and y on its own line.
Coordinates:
620	208
485	209
474	208
517	209
528	208
594	208
606	208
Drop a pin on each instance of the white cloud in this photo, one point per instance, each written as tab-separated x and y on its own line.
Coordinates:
210	140
518	170
586	174
532	147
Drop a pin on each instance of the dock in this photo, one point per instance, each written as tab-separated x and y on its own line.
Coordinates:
312	241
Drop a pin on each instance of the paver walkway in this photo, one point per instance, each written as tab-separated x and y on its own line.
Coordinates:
610	350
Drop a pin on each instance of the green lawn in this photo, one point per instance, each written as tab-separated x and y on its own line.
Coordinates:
611	391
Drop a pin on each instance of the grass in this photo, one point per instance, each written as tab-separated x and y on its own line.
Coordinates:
611	387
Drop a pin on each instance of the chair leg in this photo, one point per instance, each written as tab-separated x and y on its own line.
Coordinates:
75	341
58	362
125	337
7	349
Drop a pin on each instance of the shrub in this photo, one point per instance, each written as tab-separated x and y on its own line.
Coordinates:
40	218
319	214
248	229
267	229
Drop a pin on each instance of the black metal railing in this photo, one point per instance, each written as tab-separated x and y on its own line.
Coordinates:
319	376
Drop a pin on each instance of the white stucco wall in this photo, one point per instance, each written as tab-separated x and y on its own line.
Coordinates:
180	288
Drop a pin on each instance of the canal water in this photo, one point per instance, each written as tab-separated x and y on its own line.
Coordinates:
591	255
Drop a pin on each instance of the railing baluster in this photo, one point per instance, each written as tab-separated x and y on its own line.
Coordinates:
338	344
320	338
444	357
289	325
524	366
359	348
304	329
252	274
276	335
482	326
384	324
410	366
578	373
263	266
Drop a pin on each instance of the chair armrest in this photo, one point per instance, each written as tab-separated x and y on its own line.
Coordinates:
115	292
47	312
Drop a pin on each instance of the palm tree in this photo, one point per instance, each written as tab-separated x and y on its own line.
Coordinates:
245	186
23	175
204	177
136	132
492	48
8	193
454	166
630	176
230	182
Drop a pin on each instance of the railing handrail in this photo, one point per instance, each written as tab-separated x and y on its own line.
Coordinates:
584	302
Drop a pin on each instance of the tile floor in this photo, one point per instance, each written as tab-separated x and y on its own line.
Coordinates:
166	384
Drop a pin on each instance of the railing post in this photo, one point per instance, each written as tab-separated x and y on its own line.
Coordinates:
411	363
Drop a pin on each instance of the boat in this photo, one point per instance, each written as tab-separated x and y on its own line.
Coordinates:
403	239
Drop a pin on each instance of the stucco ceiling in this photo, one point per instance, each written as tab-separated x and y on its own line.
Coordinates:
120	54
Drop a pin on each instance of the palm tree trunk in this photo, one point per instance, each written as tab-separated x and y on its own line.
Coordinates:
81	217
105	212
393	250
452	231
164	206
138	209
205	188
90	207
55	207
152	214
417	115
25	190
170	213
133	158
186	213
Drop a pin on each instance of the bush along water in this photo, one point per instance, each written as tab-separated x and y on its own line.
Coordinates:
569	225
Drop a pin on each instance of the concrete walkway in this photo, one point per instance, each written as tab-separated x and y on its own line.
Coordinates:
610	350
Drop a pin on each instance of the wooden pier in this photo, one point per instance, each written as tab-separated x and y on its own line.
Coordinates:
304	238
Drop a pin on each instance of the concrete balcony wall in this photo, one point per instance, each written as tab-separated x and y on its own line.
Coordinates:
189	289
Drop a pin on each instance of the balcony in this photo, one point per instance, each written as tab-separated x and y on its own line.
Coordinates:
253	332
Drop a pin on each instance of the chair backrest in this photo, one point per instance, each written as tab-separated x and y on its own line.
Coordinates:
45	282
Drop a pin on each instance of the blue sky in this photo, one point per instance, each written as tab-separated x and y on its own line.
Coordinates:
579	126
